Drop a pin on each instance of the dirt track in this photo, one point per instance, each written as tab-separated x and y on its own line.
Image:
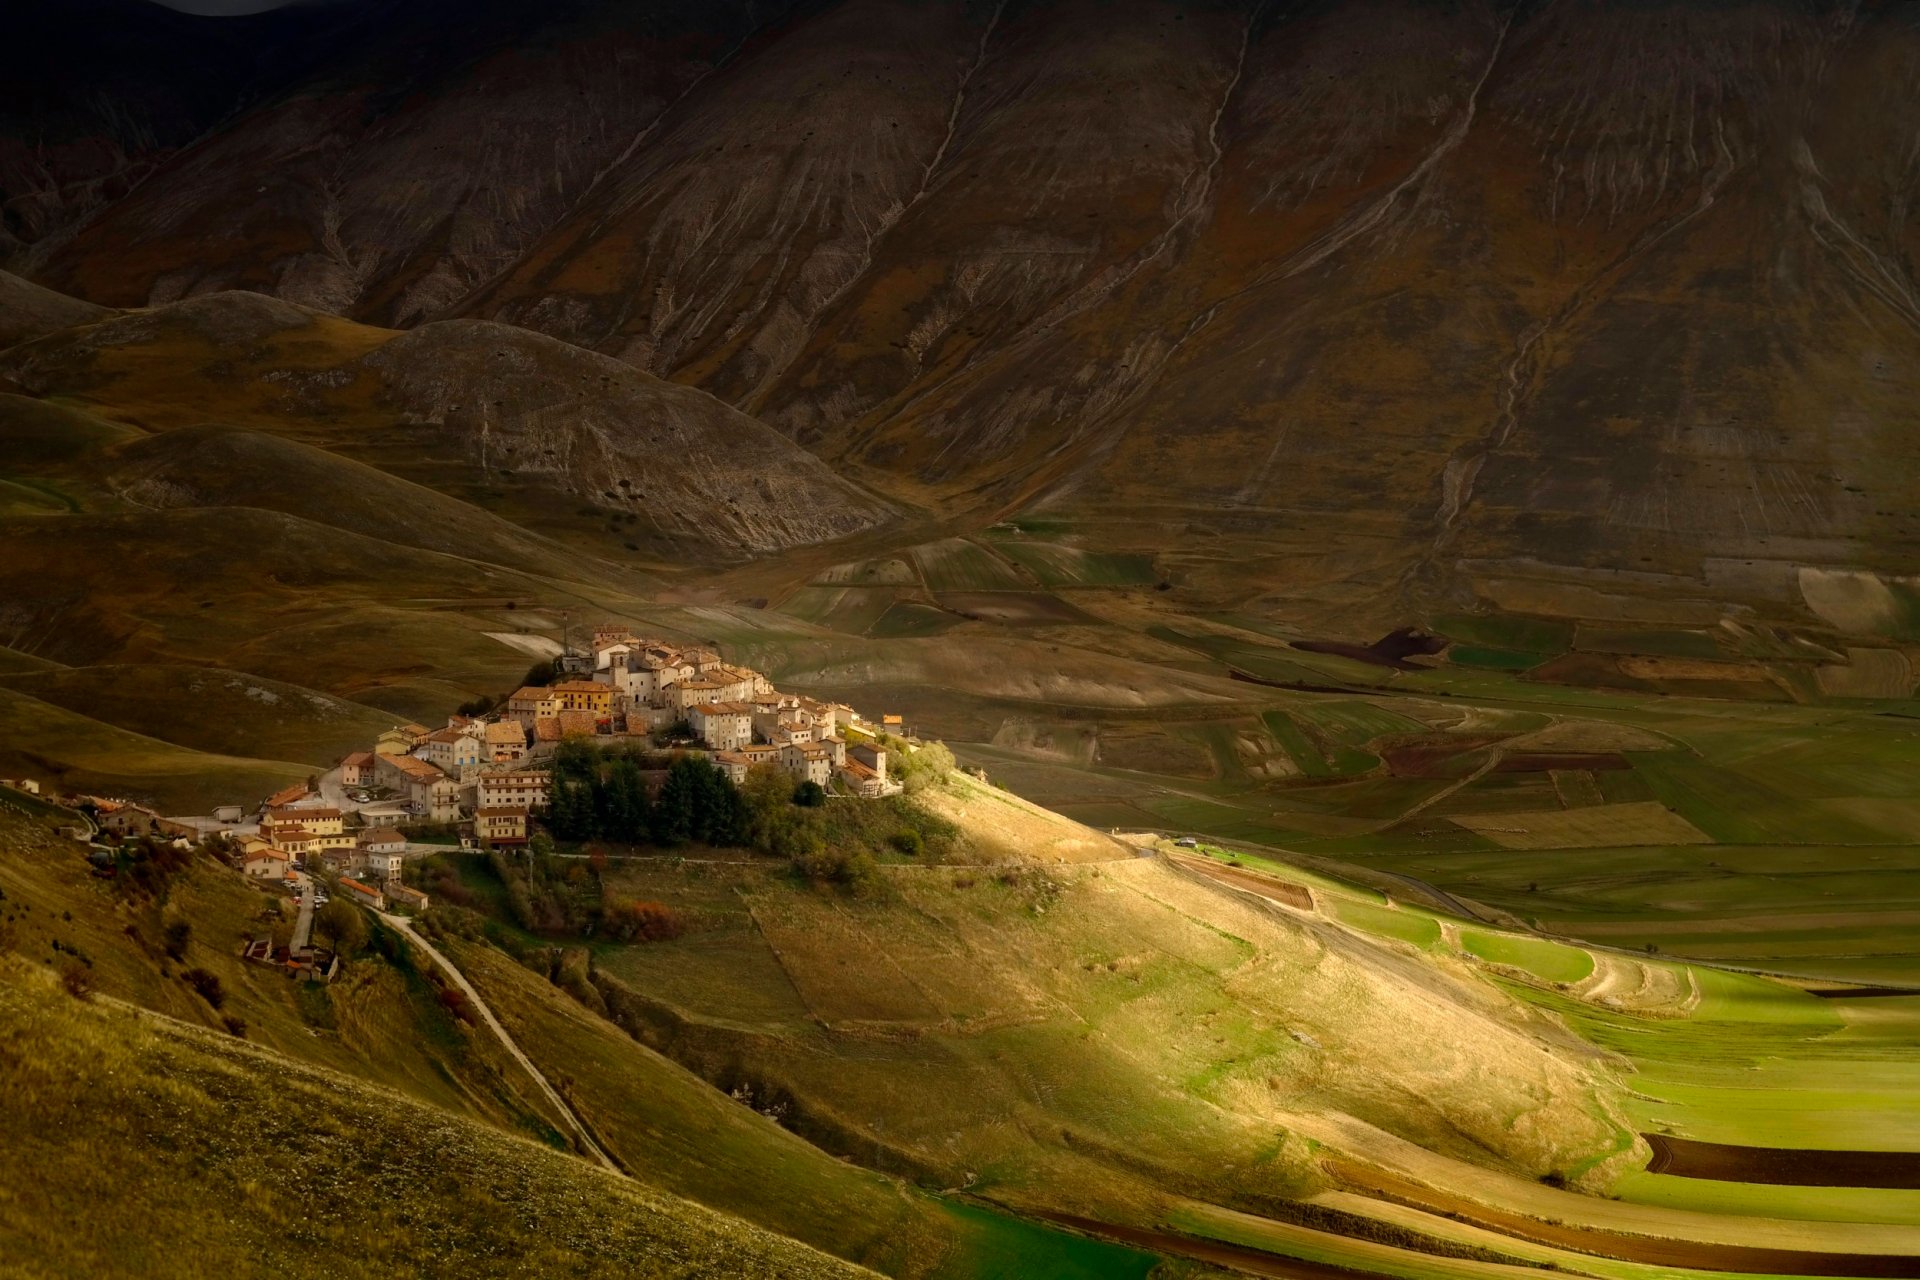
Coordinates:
1275	890
1777	1166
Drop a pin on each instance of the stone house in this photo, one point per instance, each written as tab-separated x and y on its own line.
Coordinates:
453	749
429	793
722	726
736	764
266	863
688	694
356	770
585	695
443	800
384	864
864	771
506	825
363	894
381	839
280	799
402	895
512	789
317	821
506	742
525	704
125	819
808	762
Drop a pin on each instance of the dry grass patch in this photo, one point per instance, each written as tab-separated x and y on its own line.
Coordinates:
1607	826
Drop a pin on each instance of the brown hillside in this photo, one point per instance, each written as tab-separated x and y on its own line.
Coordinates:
1580	294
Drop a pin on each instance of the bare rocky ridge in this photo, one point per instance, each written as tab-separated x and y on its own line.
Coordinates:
693	468
1405	301
453	405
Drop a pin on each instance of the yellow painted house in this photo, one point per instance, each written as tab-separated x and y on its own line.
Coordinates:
584	695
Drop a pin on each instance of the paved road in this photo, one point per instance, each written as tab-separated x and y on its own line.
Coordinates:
303	925
405	926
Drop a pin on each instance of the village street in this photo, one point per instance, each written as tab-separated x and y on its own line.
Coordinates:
304	895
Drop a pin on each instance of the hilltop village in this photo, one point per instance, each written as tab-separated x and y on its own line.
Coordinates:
486	778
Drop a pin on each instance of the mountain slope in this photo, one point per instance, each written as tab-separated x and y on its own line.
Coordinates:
250	1159
466	407
1585	295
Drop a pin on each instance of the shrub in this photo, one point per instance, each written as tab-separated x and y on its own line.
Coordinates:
907	841
178	935
207	984
455	1002
809	795
77	978
235	1026
642	921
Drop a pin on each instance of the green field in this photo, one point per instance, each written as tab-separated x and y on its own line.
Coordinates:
1487	658
1547	960
1059	565
958	565
1545	636
1421	930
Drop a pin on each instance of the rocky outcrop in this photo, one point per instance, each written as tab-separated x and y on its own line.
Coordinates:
531	407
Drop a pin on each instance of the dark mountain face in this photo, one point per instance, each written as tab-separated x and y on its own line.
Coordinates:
1567	307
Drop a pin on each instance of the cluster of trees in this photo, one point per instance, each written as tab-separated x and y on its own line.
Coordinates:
604	794
143	866
539	676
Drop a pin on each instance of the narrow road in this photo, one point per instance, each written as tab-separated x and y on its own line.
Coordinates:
1494	756
303	923
405	927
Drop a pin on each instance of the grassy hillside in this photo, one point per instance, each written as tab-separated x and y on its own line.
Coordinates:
224	467
206	709
68	751
187	1152
517	421
383	1025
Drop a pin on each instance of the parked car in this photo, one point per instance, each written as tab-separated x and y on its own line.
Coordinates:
1186	842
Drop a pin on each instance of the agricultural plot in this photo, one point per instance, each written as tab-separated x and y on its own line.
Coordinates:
1058	565
955	564
1299	747
1576	789
1735	809
905	619
1549	961
844	974
1508	632
1603	826
1269	663
1487	658
1413	927
1328	739
850	609
1014	608
1666	644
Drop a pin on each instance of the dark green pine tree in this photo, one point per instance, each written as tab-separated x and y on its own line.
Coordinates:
675	815
570	809
623	803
